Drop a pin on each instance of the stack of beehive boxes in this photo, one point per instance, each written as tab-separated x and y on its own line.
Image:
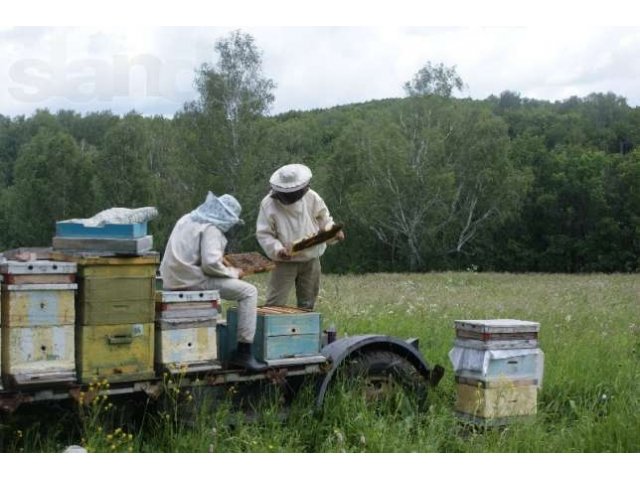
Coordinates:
186	330
125	238
115	316
37	326
283	335
498	370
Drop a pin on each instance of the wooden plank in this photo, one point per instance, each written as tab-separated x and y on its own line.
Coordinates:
106	258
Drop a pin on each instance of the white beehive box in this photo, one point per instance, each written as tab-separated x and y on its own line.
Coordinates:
186	338
37	334
498	369
39	354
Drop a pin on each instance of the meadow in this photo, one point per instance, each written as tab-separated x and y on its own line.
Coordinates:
589	401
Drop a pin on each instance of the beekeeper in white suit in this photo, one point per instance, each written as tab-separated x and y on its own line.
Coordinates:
290	212
193	260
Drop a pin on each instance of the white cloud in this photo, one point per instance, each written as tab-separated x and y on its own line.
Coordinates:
151	69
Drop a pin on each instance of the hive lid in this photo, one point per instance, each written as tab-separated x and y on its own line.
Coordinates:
497	326
37	267
179	296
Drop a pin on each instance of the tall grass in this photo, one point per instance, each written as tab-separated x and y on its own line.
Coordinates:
590	400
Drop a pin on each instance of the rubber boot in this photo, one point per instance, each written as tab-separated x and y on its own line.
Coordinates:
244	358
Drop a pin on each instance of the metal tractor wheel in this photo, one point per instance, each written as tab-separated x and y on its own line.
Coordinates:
386	379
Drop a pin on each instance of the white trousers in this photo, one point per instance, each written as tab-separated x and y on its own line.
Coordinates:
247	297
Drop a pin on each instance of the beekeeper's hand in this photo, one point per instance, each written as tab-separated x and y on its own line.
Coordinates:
283	254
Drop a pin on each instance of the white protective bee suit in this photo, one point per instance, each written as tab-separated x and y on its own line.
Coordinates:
279	225
193	259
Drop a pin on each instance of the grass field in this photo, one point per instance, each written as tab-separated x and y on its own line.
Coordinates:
590	400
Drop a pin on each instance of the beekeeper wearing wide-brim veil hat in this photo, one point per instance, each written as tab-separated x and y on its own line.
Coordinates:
289	212
193	260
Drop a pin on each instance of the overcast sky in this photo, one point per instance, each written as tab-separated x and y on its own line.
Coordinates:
151	69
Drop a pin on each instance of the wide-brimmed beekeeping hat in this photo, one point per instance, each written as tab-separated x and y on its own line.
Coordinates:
290	178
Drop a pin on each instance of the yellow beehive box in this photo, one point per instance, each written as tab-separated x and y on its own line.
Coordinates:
116	290
30	305
38	354
188	344
104	301
501	399
117	353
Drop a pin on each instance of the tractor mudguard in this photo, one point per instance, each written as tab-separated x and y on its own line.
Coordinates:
341	350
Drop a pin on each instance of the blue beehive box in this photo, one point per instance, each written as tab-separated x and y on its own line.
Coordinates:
281	333
109	230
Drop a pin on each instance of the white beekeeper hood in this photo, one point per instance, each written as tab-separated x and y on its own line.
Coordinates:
223	212
290	178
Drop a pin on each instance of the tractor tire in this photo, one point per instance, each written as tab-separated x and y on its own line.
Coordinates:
386	378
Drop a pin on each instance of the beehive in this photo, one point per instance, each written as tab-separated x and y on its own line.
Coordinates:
38	322
498	370
281	333
118	353
115	310
186	339
496	401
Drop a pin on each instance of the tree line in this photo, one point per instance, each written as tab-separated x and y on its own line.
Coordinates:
424	182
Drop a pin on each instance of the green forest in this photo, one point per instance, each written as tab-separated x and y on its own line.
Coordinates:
425	182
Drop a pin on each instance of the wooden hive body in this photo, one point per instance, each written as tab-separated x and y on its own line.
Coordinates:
498	370
37	334
186	330
281	333
115	310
